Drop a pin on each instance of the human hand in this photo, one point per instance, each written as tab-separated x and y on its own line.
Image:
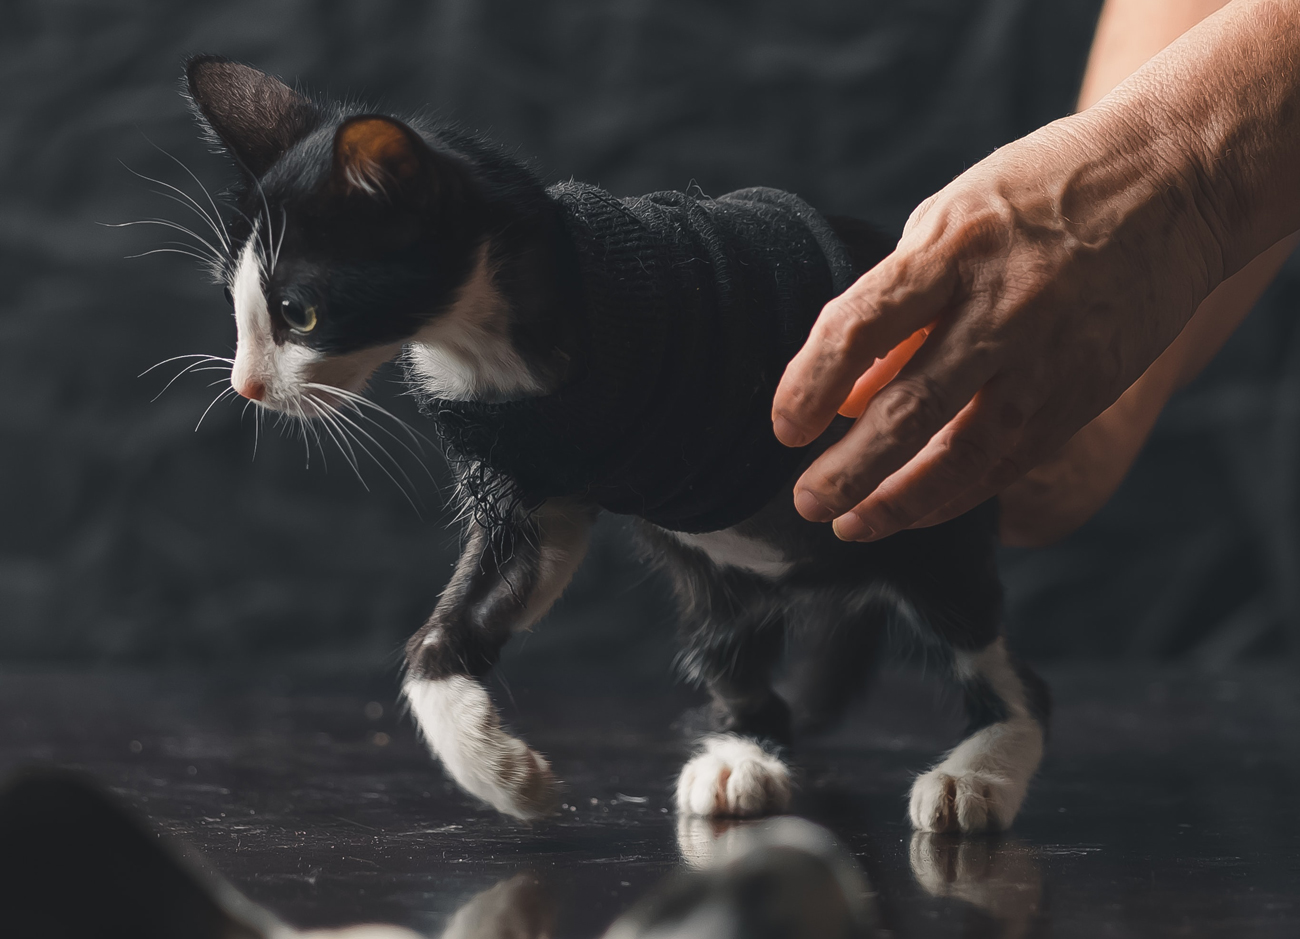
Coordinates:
1054	272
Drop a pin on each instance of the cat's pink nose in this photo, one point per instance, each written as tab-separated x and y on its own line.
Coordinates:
252	389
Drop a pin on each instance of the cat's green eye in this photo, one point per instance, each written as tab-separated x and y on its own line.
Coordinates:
300	317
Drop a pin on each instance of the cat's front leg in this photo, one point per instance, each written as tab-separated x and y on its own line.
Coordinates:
733	634
499	587
981	783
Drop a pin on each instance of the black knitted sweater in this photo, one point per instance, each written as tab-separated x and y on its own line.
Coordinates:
692	307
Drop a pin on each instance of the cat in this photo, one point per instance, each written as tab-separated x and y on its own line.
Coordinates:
363	238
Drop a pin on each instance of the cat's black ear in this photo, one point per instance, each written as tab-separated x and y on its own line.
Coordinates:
381	157
253	115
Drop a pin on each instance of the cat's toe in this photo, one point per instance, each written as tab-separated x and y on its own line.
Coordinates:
733	777
965	802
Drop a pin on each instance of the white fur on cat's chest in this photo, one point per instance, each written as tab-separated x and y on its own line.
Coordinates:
729	548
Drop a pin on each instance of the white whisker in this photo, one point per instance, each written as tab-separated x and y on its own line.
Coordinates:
268	261
340	441
220	395
410	488
177	358
257	424
362	401
174	226
224	234
416	455
284	224
189	254
199	366
409	492
356	402
306	426
197	210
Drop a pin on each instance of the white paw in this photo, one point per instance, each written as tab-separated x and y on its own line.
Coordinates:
969	802
979	786
462	728
733	777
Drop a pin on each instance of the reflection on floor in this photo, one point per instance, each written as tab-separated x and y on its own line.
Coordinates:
1167	804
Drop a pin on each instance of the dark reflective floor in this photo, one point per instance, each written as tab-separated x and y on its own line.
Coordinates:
1166	807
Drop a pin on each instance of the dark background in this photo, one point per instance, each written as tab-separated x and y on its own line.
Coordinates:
127	536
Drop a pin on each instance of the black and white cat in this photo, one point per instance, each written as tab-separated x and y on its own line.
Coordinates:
365	238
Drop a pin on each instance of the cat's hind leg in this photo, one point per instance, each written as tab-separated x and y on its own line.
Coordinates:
981	783
498	588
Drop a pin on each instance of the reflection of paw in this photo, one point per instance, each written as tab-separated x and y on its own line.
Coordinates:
778	876
700	839
351	932
969	802
462	728
518	908
733	777
1000	877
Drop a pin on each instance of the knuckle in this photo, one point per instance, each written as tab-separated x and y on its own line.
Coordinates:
912	410
867	312
1007	471
890	515
913	275
854	315
973	221
838	490
965	458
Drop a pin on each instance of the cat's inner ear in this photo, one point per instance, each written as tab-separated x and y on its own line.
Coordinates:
382	158
255	116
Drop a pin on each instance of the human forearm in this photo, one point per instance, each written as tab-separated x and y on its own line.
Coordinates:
1129	33
1225	97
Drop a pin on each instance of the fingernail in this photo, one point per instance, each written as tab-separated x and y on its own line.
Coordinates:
788	432
851	527
811	508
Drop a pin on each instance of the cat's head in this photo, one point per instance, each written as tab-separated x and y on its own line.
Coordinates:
356	235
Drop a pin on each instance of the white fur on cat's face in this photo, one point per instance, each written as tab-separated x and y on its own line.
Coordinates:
465	353
287	376
262	371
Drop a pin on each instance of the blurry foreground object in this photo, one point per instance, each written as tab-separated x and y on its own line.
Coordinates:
781	879
75	864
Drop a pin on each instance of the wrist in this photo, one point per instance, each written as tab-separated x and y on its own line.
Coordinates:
1129	184
1219	105
1170	212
